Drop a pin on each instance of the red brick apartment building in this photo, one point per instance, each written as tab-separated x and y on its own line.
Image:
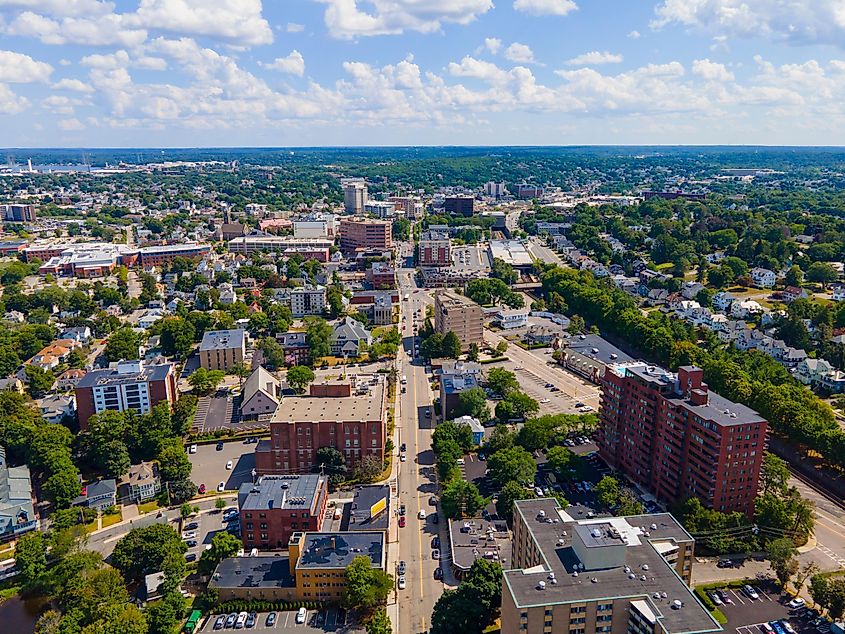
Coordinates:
350	416
277	506
360	233
670	434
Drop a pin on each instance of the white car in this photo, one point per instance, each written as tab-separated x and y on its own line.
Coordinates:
402	582
402	457
797	602
545	400
421	514
461	462
221	487
229	465
192	449
586	408
301	614
750	592
189	535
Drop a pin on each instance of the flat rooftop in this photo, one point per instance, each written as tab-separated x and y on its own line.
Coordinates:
645	575
263	571
597	348
337	550
511	252
286	492
223	339
363	500
479	538
112	376
718	409
360	407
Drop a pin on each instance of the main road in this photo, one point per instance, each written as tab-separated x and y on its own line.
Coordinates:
416	480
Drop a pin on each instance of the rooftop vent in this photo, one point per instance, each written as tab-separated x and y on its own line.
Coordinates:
541	585
663	595
677	605
654	527
645	566
642	577
594	580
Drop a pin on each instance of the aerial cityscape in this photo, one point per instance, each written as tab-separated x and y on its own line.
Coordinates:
422	317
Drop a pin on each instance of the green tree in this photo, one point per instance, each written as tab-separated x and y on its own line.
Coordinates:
173	463
559	459
513	464
163	616
510	493
299	377
333	464
822	272
63	486
774	475
451	345
317	336
177	336
39	381
432	346
473	605
31	558
516	405
472	402
473	353
501	270
144	550
205	381
607	491
366	587
223	545
450	431
461	499
794	276
378	623
122	344
502	381
220	504
782	558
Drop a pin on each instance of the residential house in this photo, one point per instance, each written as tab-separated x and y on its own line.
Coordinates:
475	425
68	379
262	393
57	407
81	334
100	495
838	292
763	278
12	384
295	347
723	300
791	293
17	514
812	371
742	309
347	338
150	317
690	290
515	318
141	483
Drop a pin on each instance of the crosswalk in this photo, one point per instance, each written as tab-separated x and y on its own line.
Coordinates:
834	556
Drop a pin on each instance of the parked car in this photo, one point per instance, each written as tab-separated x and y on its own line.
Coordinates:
201	489
435	542
230	620
220	622
438	573
402	510
300	615
271	619
229	465
716	598
401	521
220	448
191	557
221	487
750	592
191	543
421	514
401	582
250	619
402	567
797	602
435	554
192	449
189	535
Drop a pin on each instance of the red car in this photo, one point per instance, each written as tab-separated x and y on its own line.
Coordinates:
401	521
202	489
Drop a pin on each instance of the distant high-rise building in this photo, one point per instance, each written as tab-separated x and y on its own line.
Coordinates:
18	213
435	249
495	190
673	436
459	205
354	195
360	233
524	191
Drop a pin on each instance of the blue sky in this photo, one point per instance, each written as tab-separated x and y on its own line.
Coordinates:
435	72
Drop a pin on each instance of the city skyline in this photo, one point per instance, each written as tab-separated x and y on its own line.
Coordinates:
184	73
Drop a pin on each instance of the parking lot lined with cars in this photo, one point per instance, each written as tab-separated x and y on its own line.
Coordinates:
301	621
757	608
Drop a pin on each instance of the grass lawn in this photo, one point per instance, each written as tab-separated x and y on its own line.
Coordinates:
114	518
148	507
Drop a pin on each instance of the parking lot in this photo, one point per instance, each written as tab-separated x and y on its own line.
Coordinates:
205	525
328	620
747	615
209	465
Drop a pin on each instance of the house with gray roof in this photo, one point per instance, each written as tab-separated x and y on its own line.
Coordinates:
17	514
347	337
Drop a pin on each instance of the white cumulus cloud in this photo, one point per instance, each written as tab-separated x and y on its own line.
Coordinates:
593	58
71	125
796	21
519	53
711	71
22	69
346	19
294	64
75	85
545	7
